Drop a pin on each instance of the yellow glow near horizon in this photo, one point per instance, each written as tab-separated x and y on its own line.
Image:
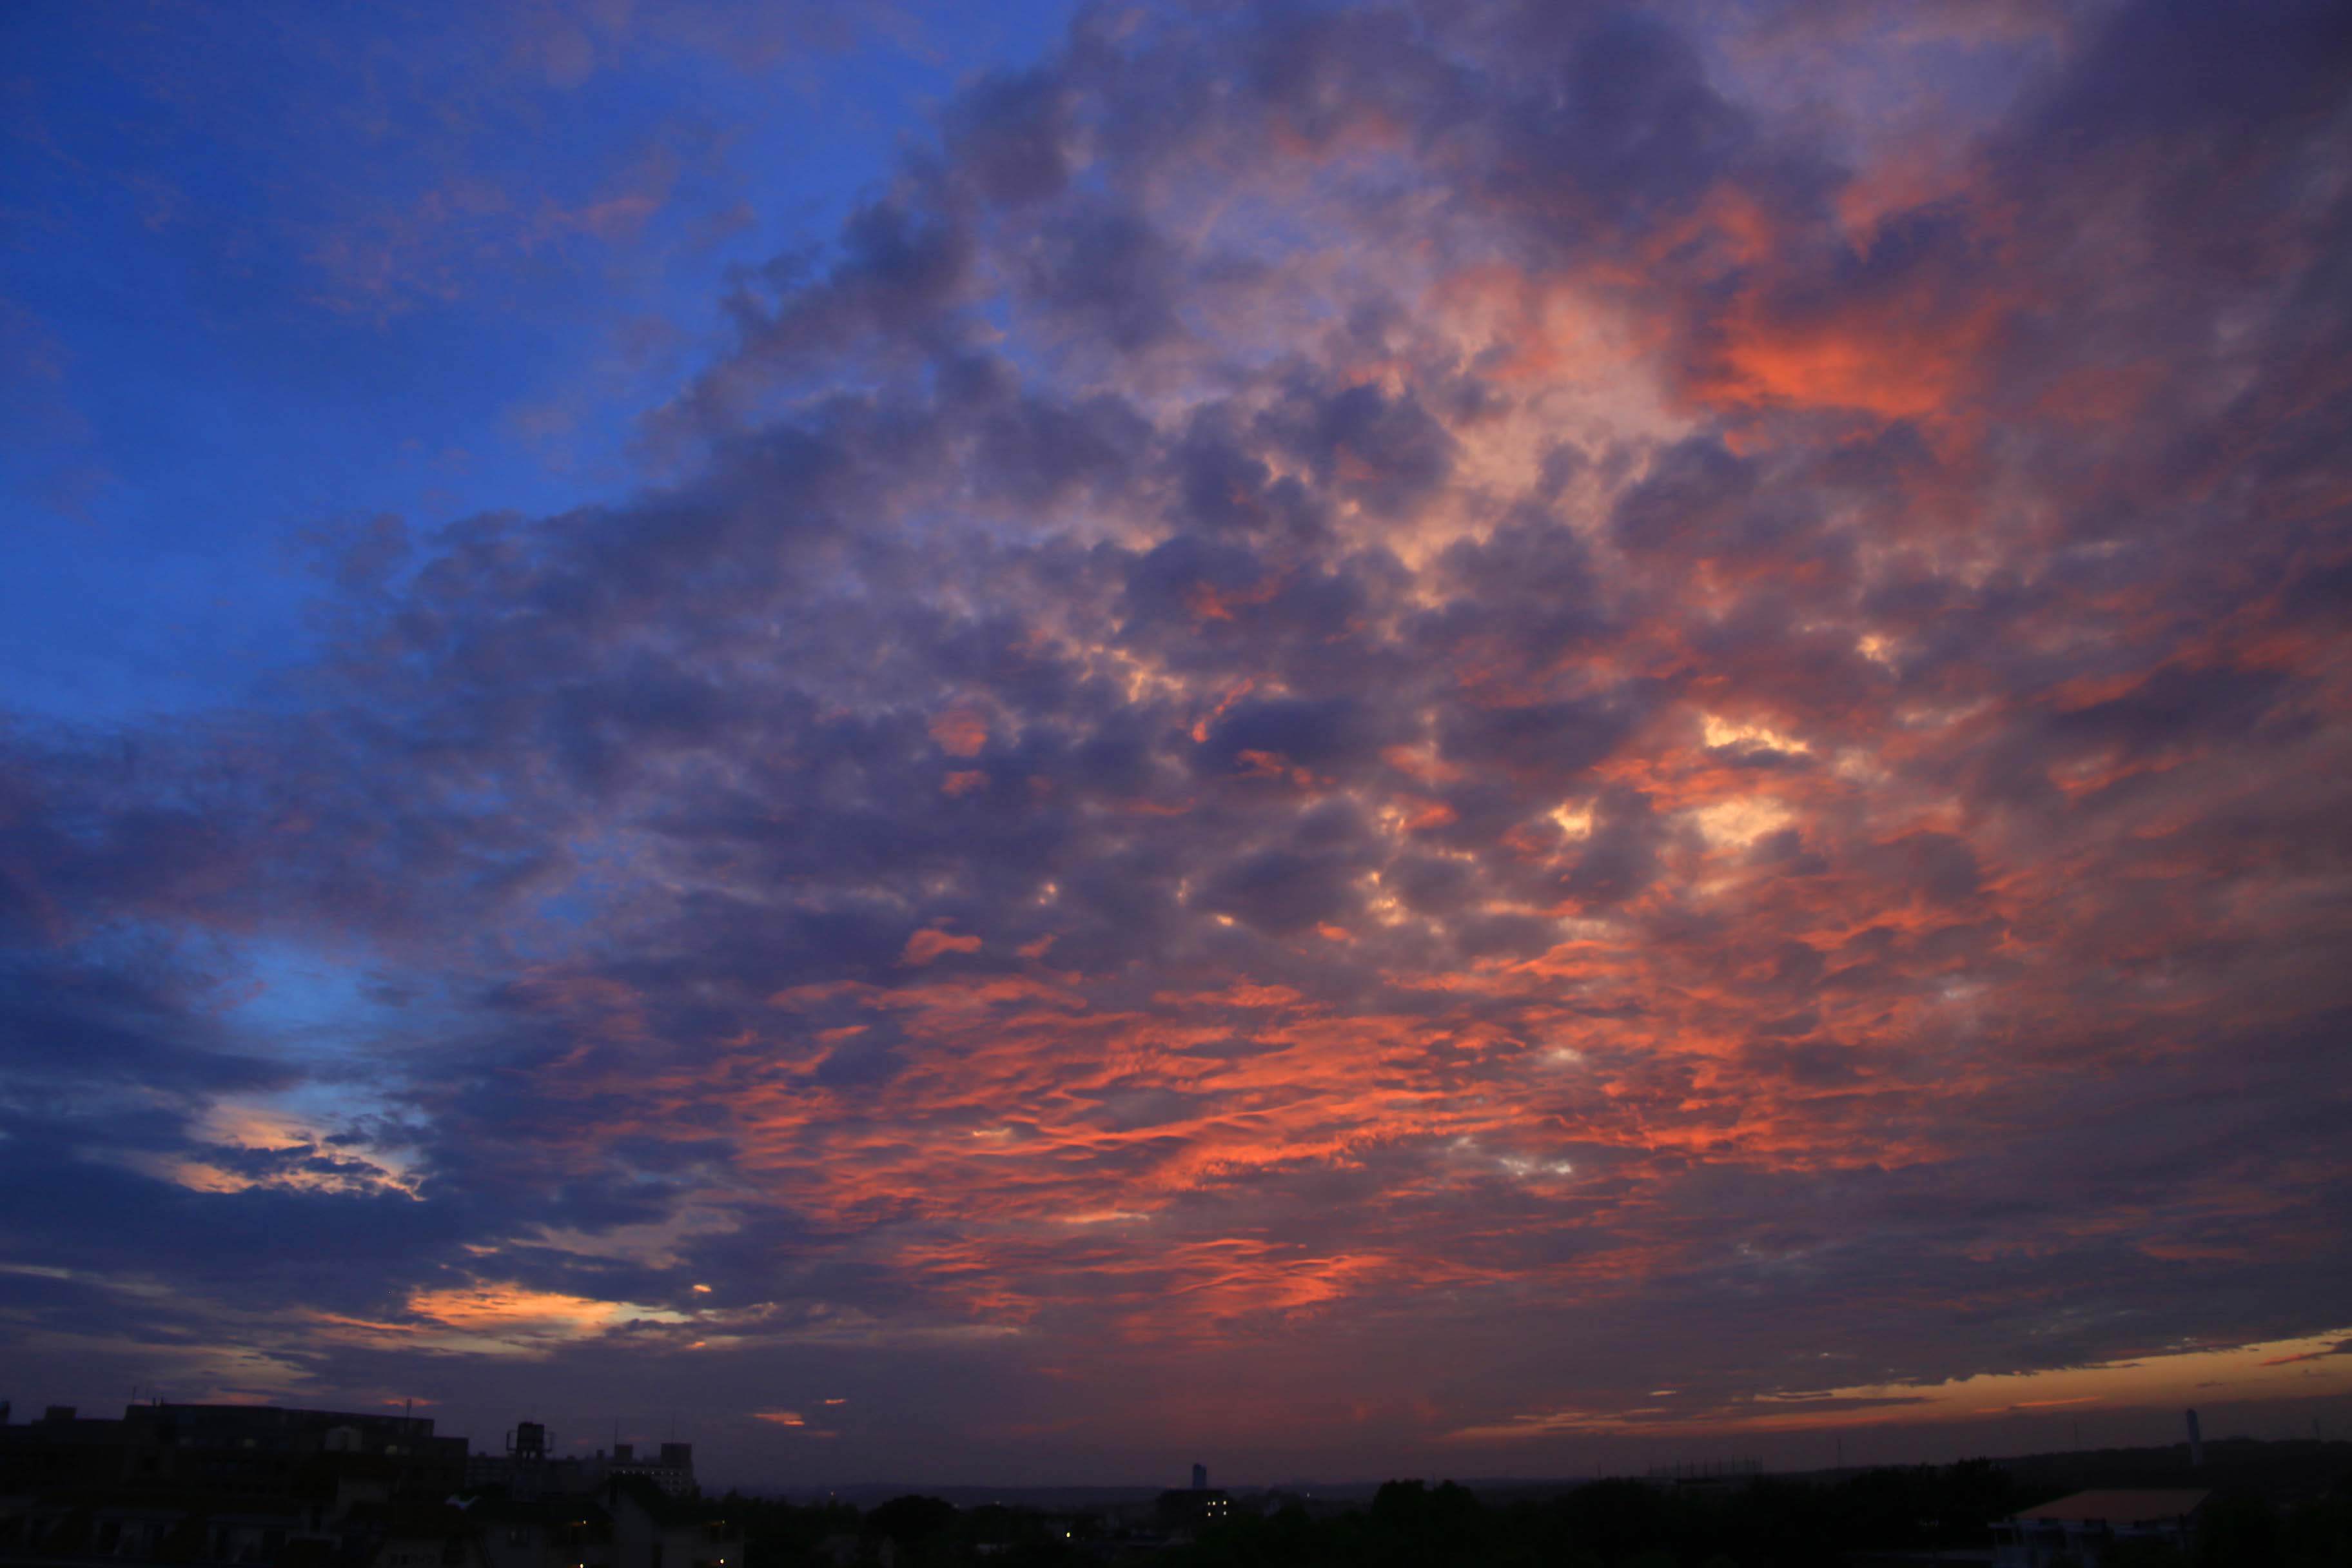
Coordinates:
2316	1365
2276	1369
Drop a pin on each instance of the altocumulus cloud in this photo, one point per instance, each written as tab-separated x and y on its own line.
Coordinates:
1366	722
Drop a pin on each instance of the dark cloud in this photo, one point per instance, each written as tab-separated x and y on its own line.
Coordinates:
1106	272
1385	454
61	1025
1010	133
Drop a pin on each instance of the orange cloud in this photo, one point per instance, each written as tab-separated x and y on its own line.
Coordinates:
961	733
928	945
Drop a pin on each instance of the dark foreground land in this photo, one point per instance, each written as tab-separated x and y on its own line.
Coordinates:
67	1504
2275	1506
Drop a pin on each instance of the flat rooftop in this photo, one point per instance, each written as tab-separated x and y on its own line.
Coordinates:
2137	1505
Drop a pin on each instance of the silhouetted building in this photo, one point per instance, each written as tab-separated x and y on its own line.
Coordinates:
246	1452
546	1533
62	1450
1182	1513
2077	1531
231	1486
422	1535
526	1470
652	1528
671	1467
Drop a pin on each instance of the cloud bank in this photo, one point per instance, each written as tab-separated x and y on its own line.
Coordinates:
1362	724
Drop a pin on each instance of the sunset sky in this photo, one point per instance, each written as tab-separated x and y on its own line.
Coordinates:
1021	743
